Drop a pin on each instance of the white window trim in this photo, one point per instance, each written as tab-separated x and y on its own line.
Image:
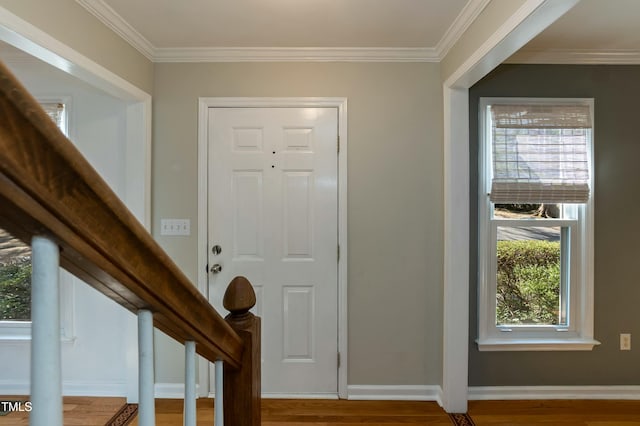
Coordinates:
20	331
579	335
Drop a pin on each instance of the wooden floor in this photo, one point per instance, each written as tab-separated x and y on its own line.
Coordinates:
97	411
281	412
77	411
551	413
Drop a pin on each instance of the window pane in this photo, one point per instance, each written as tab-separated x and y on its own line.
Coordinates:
15	279
529	211
57	112
531	288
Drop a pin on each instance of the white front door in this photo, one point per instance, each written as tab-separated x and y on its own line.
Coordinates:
273	212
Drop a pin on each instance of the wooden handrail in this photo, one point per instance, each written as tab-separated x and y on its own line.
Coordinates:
48	188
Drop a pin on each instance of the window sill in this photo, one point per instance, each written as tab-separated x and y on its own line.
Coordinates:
537	344
20	332
27	339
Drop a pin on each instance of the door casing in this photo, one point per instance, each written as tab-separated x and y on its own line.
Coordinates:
204	104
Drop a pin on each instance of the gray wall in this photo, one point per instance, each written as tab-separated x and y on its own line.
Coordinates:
395	197
616	90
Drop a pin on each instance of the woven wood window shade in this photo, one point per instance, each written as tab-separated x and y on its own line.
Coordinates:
540	153
55	111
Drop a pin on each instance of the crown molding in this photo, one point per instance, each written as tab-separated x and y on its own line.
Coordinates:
576	56
469	13
462	22
117	24
295	54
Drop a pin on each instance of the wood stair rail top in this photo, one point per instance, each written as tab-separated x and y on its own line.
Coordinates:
48	188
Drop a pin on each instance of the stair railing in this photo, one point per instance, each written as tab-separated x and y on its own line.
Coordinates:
52	198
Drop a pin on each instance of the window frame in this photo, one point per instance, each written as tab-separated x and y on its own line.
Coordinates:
578	334
12	331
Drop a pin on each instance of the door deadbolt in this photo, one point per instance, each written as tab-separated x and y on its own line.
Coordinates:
216	250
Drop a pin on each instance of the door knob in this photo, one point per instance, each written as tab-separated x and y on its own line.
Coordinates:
216	268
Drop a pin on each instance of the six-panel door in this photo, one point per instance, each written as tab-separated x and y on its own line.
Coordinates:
273	211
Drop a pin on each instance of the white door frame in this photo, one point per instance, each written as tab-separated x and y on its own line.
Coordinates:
203	125
25	36
531	19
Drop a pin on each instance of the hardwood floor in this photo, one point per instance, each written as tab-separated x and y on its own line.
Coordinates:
561	412
280	412
82	411
77	411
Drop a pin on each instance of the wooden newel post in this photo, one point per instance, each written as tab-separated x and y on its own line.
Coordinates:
242	391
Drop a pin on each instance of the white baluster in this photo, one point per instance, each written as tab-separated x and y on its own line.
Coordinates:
46	378
190	384
219	412
146	413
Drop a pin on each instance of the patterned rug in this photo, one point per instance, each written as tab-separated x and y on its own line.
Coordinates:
124	416
7	406
461	420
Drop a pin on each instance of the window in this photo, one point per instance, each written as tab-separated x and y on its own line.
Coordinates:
58	113
15	267
535	210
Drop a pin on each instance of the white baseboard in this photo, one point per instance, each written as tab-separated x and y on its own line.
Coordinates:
73	388
395	392
14	388
553	392
270	395
172	390
364	392
69	388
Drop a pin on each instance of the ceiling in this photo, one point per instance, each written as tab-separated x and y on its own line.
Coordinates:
290	23
169	30
594	31
197	30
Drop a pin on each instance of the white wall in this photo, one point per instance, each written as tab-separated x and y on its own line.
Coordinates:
94	363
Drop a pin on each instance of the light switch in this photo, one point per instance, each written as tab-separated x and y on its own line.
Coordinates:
175	227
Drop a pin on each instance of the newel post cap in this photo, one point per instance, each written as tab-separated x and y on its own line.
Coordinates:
239	296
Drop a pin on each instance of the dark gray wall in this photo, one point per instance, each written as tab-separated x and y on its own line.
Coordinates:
616	90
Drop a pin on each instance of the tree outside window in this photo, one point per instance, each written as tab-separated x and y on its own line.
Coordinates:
15	256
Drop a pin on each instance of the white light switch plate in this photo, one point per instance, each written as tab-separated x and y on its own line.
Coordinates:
625	342
175	227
